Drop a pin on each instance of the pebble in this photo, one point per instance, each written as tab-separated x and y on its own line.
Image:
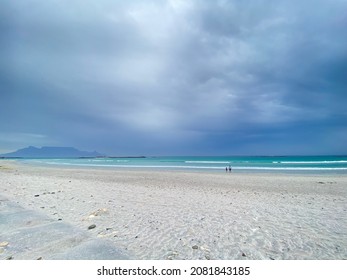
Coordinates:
98	212
244	255
92	226
3	244
195	247
36	195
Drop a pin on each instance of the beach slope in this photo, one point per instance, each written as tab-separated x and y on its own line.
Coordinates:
182	215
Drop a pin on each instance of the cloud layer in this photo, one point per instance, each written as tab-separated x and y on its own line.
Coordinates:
175	77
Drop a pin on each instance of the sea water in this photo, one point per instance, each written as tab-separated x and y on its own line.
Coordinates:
316	164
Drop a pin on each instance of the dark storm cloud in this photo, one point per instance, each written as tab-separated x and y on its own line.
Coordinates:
168	77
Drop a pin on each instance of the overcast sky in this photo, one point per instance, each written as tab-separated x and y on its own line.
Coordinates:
174	77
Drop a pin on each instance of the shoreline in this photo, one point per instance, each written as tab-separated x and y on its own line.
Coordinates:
303	171
191	215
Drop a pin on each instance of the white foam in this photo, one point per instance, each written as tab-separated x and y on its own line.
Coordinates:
311	162
204	161
292	168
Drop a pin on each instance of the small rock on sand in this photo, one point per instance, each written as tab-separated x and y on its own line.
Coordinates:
3	244
195	247
98	212
92	226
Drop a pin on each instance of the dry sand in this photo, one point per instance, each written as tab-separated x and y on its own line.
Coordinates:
181	215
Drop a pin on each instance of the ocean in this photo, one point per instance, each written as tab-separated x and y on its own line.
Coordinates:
296	164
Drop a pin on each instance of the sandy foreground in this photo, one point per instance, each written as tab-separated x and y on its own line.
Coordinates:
181	215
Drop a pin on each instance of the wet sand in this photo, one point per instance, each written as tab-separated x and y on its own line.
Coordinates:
190	215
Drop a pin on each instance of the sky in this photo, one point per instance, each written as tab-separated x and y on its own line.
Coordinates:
175	77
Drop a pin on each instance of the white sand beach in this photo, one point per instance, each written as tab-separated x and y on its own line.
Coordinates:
197	215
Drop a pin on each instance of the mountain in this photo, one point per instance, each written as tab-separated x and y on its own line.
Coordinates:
50	152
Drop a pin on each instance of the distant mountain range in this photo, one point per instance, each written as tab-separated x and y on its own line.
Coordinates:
50	152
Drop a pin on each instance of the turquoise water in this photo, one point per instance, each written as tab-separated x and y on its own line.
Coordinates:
266	164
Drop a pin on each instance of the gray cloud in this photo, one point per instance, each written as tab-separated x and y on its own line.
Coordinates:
170	77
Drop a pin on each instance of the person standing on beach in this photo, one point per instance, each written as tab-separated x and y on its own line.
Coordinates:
226	169
229	168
